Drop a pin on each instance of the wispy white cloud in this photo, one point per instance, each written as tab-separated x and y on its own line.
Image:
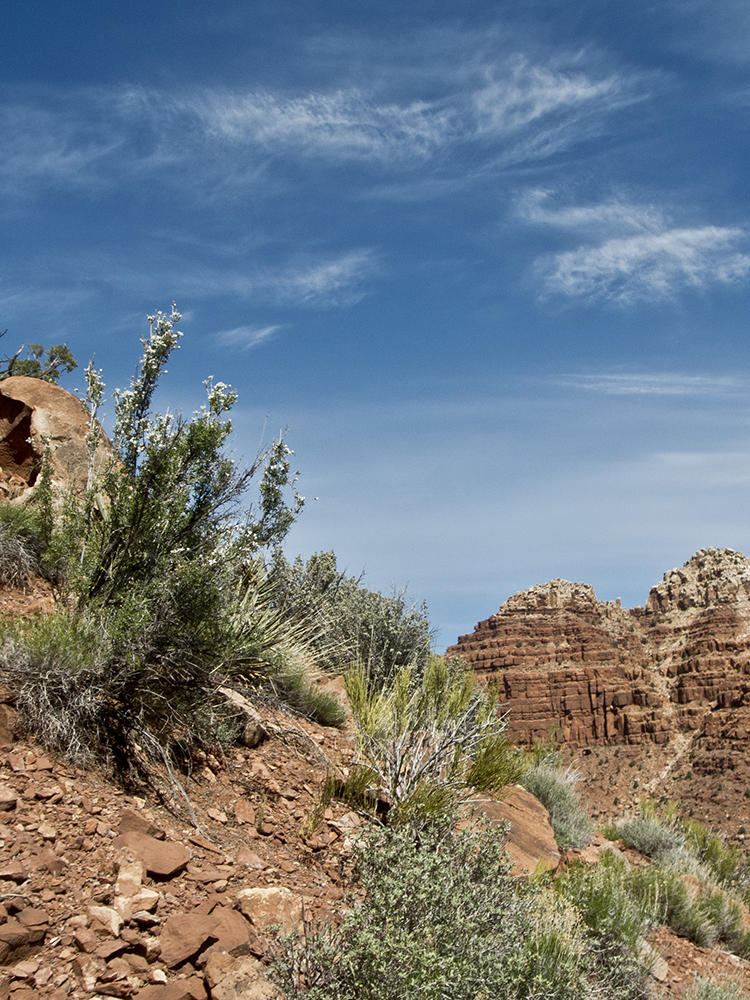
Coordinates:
56	146
648	267
336	281
245	337
315	280
634	252
343	125
659	384
537	206
499	113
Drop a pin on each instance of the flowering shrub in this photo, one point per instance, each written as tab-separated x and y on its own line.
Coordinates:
160	559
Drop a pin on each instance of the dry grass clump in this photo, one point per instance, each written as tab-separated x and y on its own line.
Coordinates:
19	561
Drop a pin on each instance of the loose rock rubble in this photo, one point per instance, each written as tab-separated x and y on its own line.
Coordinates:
103	895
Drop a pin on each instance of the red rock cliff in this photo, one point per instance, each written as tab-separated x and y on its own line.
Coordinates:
604	674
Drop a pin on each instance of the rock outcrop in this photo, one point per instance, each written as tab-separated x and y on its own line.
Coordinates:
603	674
33	411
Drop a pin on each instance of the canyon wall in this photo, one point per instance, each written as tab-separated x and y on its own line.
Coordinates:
602	674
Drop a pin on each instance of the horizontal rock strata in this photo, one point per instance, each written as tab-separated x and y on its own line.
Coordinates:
602	674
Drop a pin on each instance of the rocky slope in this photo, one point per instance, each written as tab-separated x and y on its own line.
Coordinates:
105	894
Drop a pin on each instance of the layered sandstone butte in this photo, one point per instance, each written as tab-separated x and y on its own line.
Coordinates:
603	674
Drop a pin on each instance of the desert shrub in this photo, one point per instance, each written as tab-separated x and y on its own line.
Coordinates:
616	919
351	624
159	560
19	556
293	684
705	916
440	918
430	739
650	837
58	668
723	860
673	903
555	789
709	989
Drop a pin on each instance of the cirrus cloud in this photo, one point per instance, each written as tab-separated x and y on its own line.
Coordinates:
633	253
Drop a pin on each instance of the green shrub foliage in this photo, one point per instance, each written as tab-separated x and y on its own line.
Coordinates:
441	917
47	363
159	560
351	624
431	739
555	789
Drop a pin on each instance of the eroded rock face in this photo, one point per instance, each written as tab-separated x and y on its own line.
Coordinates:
31	411
604	674
710	577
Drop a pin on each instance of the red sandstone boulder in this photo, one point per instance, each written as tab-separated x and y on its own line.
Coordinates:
32	410
272	905
184	935
531	842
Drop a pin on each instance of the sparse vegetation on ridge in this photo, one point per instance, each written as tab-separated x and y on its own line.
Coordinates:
555	787
699	898
162	592
348	623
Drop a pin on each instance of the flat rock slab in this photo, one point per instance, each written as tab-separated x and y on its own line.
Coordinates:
132	821
273	905
182	989
531	843
232	931
231	978
162	858
184	935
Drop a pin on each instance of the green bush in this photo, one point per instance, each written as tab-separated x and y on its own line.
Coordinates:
47	364
440	918
555	789
351	624
709	989
616	919
723	860
158	568
19	556
430	739
651	838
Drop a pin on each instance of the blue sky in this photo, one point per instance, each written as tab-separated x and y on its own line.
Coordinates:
490	263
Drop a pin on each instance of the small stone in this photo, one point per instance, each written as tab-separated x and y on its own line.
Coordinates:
163	859
108	917
85	940
271	905
47	831
217	814
24	970
244	812
145	900
183	935
8	798
132	821
131	871
33	917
